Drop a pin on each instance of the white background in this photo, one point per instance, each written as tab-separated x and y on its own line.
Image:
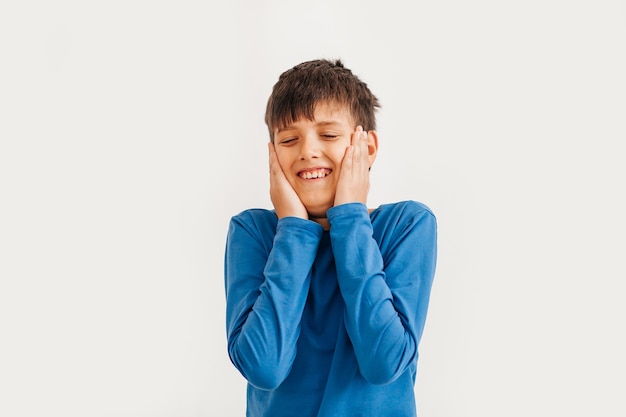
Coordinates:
132	130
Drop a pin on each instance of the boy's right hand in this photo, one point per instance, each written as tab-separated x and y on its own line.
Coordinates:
284	198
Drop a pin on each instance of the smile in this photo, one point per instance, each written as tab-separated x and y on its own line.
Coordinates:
314	173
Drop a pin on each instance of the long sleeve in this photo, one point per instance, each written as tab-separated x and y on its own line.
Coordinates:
267	278
386	288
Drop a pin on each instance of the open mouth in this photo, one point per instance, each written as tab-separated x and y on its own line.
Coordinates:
314	173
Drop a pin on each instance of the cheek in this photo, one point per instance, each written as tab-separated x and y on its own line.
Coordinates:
286	160
339	158
339	152
283	157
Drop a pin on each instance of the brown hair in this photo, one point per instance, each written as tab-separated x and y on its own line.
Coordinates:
300	88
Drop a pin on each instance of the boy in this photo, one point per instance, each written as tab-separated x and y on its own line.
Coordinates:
325	299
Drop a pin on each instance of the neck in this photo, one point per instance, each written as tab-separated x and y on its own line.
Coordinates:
321	220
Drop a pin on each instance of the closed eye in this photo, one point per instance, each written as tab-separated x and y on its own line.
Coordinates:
288	141
328	136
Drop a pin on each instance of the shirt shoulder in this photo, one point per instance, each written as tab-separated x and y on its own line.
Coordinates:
255	215
401	210
256	221
393	222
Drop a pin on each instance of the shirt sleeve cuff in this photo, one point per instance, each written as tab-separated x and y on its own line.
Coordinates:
347	212
301	224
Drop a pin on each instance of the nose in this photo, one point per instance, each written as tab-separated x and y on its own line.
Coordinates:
309	147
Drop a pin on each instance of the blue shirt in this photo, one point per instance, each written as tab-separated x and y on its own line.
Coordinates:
327	323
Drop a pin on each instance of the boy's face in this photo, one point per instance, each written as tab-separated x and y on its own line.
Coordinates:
310	153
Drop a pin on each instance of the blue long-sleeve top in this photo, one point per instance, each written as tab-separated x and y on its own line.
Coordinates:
327	323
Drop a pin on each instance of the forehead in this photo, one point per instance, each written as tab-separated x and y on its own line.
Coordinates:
332	111
324	113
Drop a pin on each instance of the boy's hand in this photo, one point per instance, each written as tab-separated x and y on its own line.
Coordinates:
284	198
354	179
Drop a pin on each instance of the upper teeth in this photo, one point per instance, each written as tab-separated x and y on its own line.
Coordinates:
318	173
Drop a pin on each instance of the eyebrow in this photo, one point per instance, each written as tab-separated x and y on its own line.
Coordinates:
323	123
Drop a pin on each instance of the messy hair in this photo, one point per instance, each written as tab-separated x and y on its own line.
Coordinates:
299	89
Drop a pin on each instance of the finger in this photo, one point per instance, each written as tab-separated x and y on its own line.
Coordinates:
348	159
275	167
354	140
356	151
365	150
361	161
360	147
271	152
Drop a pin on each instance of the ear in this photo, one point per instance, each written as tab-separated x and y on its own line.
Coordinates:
372	145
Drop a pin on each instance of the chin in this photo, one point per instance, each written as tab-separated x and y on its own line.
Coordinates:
317	210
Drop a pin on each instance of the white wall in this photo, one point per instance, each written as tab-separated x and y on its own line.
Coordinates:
131	132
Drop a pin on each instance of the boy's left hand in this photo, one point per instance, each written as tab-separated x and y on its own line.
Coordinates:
354	179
